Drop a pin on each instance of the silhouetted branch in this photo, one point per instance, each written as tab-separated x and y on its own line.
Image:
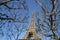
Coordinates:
4	2
6	19
51	17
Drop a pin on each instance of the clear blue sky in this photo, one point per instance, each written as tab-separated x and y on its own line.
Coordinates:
32	5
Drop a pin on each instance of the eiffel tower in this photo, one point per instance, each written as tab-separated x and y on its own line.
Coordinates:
31	32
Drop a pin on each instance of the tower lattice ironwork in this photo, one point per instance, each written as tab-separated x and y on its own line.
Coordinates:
31	32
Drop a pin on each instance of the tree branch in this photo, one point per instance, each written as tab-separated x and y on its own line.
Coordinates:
4	2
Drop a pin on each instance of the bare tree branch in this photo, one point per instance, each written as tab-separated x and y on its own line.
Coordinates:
4	2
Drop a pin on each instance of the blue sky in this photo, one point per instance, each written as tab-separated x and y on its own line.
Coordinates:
33	7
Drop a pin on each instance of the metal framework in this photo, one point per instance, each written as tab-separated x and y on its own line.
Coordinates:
32	31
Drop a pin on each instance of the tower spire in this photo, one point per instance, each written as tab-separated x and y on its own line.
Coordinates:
31	32
32	24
